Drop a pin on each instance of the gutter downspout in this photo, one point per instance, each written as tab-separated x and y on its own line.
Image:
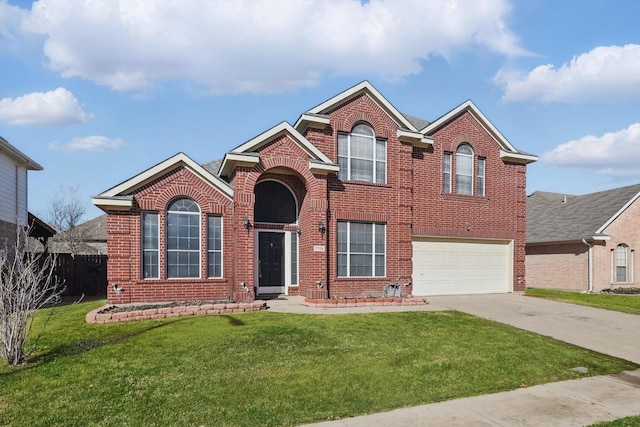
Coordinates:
589	265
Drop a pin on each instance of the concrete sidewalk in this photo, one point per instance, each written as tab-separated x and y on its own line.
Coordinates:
568	403
562	404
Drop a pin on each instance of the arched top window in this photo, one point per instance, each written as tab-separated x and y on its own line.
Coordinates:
621	263
362	129
464	169
183	239
275	203
183	205
362	156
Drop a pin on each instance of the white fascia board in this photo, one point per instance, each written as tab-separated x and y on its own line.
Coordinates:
518	157
356	90
24	160
484	122
601	237
232	160
160	168
617	214
417	139
317	121
112	203
277	130
323	168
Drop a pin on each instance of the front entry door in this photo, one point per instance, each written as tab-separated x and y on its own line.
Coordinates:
270	263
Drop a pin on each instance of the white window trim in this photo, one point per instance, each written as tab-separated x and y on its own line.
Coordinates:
157	250
375	160
199	251
348	253
446	185
472	169
483	176
221	251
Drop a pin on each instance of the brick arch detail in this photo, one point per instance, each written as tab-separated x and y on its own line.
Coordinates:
379	128
300	168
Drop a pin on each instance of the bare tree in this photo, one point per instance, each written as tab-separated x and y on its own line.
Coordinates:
27	283
67	212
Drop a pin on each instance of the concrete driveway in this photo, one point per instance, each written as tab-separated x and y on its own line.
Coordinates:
609	332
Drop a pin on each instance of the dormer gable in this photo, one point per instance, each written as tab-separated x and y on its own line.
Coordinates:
317	117
508	152
120	197
247	154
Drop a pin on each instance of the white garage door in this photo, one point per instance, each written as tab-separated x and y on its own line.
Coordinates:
448	267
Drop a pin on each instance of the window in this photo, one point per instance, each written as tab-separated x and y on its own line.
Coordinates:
150	246
294	257
183	239
446	173
480	175
621	263
361	249
361	156
464	170
214	246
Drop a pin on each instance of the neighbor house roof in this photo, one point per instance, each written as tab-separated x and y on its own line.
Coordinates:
18	155
556	217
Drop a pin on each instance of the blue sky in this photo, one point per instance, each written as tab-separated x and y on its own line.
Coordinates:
97	91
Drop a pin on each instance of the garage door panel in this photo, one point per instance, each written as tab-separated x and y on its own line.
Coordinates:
446	267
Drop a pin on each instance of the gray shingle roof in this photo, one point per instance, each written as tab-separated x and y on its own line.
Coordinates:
417	122
555	217
213	166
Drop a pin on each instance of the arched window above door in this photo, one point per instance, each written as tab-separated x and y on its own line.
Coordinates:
275	203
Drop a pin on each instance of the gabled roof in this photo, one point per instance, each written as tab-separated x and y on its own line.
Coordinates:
317	116
247	153
507	151
119	197
555	217
18	156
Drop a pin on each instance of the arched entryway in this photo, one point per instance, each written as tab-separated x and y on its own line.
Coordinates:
276	213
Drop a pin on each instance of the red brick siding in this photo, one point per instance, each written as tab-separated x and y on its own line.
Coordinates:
500	214
409	203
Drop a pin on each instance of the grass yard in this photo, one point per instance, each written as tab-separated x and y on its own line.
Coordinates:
622	422
623	303
267	369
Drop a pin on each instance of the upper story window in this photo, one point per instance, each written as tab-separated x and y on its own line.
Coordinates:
465	173
183	239
362	156
464	169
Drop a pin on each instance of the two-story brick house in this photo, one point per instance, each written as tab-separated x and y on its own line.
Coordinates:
352	197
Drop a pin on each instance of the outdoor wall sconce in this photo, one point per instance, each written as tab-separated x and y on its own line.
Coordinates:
321	227
298	230
245	223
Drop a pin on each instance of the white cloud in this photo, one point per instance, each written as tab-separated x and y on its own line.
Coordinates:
606	73
56	107
613	154
89	143
259	45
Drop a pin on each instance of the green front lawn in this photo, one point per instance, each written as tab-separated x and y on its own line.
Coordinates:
623	303
267	368
622	422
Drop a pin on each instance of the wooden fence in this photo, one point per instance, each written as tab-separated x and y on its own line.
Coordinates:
82	274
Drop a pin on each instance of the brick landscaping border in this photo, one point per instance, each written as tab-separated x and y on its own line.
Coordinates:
103	315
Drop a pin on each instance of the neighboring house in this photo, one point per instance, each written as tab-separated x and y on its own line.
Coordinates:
14	166
583	243
351	198
91	238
